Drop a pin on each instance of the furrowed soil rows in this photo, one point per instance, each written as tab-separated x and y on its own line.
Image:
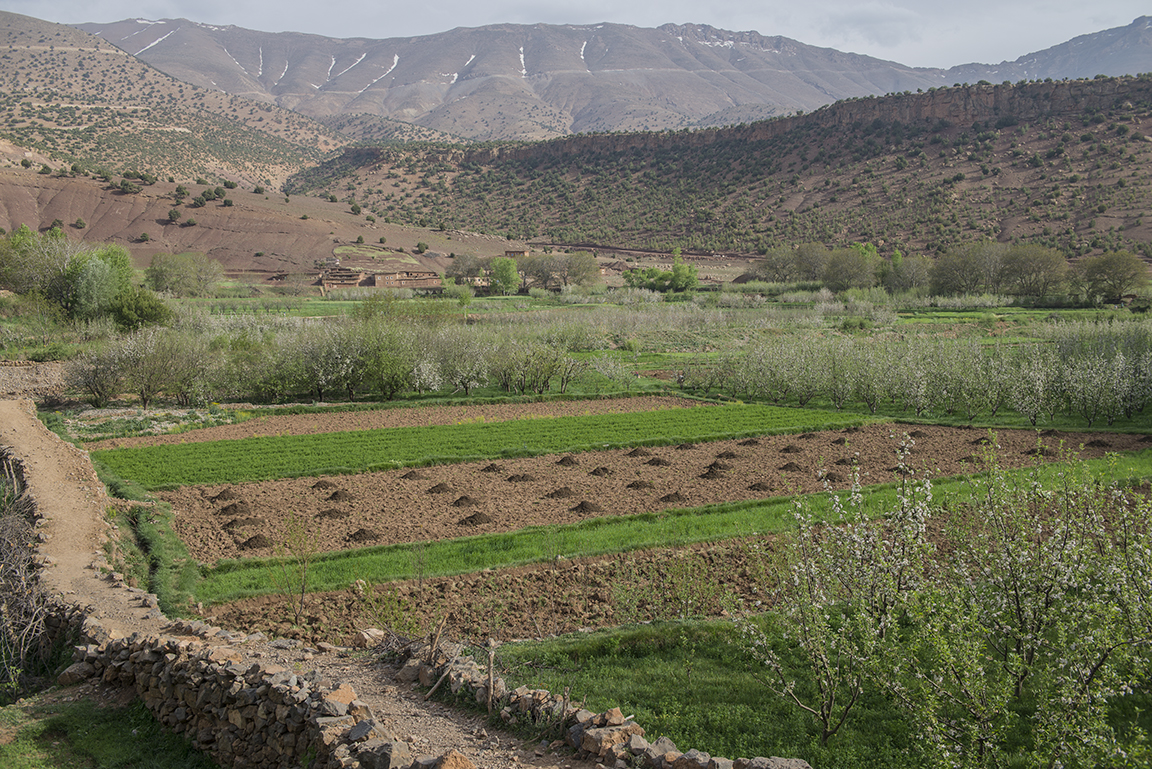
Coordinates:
399	506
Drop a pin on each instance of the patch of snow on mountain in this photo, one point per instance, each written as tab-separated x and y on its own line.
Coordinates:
161	40
395	61
338	74
523	69
233	58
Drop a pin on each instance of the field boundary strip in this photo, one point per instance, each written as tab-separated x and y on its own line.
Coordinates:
269	458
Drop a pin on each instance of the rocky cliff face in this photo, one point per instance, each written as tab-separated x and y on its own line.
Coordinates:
964	106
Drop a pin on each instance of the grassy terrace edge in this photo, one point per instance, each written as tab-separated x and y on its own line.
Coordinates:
236	579
268	458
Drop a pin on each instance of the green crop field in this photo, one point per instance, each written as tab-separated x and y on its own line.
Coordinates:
257	459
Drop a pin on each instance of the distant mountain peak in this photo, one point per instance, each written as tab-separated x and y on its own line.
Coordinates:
514	81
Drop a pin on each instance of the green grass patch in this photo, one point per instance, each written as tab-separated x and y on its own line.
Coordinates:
235	579
254	459
81	735
693	682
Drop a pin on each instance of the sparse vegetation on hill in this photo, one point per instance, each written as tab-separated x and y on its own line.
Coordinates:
1076	179
89	106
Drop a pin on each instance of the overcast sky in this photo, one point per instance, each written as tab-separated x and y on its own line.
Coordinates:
924	33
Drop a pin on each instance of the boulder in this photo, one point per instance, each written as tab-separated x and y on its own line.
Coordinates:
75	673
760	762
378	754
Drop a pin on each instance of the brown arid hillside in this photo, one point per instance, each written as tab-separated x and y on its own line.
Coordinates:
260	236
540	81
1065	164
68	97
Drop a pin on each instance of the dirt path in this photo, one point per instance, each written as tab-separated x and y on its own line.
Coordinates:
72	501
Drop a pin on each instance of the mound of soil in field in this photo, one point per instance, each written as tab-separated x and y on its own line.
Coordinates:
521	478
984	441
841	441
711	474
243	523
918	434
900	470
561	493
639	451
476	519
727	455
363	535
1098	444
1145	439
235	510
685	446
227	495
1039	451
465	501
833	477
324	483
658	462
390	506
492	468
749	442
567	461
806	436
587	507
333	514
791	448
258	542
414	475
340	496
718	465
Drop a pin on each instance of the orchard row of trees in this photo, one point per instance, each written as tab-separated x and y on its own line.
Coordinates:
1014	641
1023	270
507	274
334	358
1090	372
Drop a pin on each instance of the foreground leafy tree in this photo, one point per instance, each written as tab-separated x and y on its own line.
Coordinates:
183	274
1013	648
1110	276
682	277
505	275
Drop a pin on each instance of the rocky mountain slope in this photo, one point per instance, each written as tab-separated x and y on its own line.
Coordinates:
1066	164
540	81
70	98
